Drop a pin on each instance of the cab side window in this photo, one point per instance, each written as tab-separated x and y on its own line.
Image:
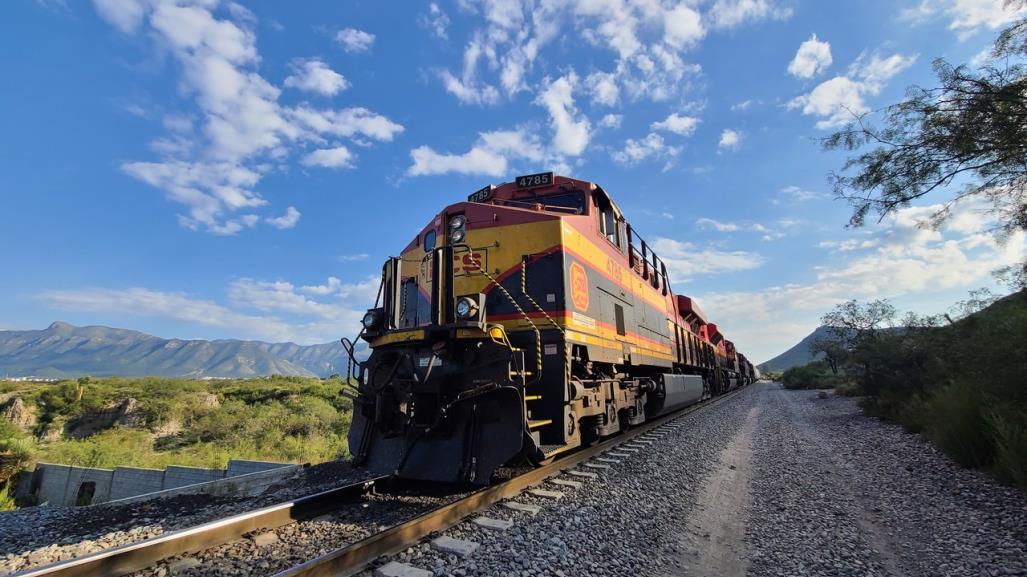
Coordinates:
608	225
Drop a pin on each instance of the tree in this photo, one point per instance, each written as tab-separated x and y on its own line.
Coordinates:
832	349
971	131
856	334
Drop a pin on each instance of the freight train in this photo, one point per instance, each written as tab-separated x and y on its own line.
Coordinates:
523	323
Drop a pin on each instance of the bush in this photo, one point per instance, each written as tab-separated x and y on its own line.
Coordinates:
1009	429
958	426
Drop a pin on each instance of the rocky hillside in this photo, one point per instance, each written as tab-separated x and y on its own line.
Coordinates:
796	356
62	350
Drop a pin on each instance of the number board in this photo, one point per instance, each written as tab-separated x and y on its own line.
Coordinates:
533	180
481	195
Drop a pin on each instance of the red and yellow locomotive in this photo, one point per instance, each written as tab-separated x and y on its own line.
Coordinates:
523	323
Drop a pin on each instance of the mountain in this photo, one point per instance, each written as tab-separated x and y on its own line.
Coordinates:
63	350
795	356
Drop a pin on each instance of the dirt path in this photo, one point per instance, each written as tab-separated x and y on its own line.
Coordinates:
712	543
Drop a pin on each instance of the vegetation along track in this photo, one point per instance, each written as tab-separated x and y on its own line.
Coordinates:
407	521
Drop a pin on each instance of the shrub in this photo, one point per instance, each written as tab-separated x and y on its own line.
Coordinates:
1009	429
958	426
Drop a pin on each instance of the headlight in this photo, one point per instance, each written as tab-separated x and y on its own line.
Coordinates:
370	319
466	308
457	221
456	236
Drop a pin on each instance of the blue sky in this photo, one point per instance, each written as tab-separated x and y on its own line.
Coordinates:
209	169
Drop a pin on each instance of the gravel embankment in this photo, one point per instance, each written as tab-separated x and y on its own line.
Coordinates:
837	493
625	522
38	536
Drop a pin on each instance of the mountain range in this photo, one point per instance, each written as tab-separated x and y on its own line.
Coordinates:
63	350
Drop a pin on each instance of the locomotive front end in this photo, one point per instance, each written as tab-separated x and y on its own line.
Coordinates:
441	396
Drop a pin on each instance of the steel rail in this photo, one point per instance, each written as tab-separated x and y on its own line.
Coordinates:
353	558
142	554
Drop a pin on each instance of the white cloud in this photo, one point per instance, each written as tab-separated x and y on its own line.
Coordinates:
286	312
338	157
571	129
682	125
896	258
353	40
742	106
241	131
685	260
798	194
709	223
125	15
812	58
436	21
313	75
611	121
729	140
604	89
489	156
839	100
287	220
733	13
177	306
683	27
652	146
966	17
354	257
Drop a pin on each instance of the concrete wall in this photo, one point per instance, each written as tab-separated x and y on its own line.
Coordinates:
63	484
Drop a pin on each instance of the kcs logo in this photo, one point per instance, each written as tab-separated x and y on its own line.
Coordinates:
468	263
579	286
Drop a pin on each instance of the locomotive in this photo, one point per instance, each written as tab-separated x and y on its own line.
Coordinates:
523	323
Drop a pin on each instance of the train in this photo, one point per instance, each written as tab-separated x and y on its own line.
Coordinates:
520	324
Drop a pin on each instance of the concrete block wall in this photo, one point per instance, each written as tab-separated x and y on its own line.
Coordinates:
243	467
62	484
129	481
175	476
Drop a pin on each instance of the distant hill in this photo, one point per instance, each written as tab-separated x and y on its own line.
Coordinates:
796	356
63	350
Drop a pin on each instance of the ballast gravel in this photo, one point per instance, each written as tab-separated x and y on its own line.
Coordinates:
36	536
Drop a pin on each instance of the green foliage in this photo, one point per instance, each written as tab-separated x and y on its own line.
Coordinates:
289	419
815	375
958	381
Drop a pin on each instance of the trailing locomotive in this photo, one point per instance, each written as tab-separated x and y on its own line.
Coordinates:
520	324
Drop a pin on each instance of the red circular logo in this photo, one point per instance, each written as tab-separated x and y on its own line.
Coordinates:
579	287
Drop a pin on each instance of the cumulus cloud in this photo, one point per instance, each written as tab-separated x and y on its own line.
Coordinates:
839	100
570	128
733	13
435	21
489	156
797	194
651	147
686	260
812	58
683	26
678	124
212	165
353	40
287	220
966	17
313	75
729	140
338	157
646	39
901	256
611	121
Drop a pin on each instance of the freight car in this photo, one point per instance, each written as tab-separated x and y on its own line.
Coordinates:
520	324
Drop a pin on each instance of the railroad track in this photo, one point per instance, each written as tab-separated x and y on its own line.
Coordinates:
348	559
